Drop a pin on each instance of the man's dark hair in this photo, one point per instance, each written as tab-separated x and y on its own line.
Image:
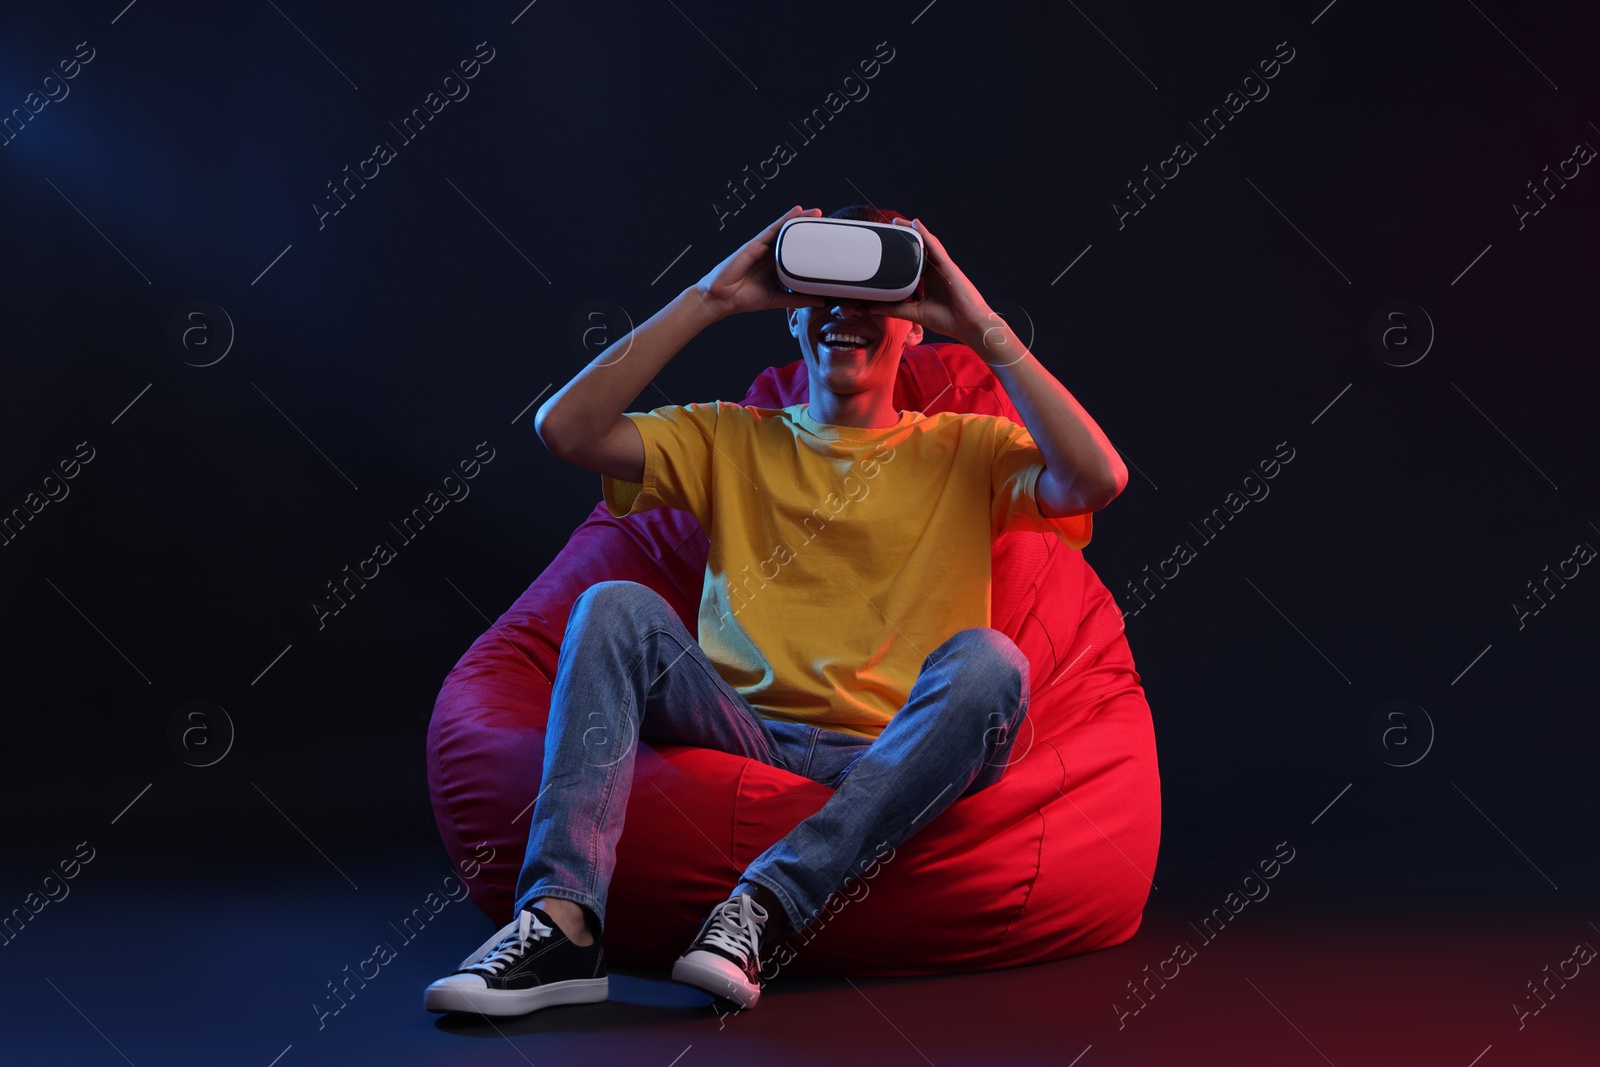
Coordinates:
867	213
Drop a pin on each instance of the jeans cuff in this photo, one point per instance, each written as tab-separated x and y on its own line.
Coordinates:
539	892
789	909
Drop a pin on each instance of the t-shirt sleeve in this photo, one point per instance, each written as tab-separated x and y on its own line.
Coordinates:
1015	505
679	443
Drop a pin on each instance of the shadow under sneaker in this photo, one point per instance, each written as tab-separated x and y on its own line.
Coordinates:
526	965
725	957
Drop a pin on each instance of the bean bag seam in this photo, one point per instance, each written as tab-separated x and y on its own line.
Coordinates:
439	788
733	821
1043	827
1038	863
453	794
1055	656
737	865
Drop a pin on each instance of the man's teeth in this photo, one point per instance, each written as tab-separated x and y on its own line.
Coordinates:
843	340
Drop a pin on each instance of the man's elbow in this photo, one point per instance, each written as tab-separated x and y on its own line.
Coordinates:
1058	499
1119	480
1099	494
1098	497
548	428
1081	497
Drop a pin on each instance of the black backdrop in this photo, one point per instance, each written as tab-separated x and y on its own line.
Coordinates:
1340	268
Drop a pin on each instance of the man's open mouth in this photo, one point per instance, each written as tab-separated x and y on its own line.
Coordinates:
843	340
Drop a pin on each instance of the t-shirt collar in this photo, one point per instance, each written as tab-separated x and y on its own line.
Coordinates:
827	431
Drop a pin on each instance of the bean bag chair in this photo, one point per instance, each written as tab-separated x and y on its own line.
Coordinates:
1053	860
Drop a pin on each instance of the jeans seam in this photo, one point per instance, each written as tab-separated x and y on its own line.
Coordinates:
610	789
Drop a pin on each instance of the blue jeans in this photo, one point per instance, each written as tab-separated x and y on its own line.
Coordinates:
630	670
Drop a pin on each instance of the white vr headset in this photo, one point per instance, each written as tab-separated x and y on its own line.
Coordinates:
872	261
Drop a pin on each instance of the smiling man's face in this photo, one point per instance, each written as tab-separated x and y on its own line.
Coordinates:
850	348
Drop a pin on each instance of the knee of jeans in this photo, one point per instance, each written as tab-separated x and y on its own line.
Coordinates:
997	667
617	595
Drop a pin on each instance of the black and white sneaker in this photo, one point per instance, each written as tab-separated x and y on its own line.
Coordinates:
528	964
725	957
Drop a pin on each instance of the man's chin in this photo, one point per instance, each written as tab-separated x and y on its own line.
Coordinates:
844	379
851	373
852	361
850	356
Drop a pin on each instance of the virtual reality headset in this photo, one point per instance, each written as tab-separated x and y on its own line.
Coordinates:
873	261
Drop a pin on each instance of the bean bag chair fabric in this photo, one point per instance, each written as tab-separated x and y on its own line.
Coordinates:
1053	860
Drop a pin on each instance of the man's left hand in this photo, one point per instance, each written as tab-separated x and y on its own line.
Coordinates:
951	304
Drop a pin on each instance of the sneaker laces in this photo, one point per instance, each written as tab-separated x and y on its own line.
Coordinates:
736	926
510	946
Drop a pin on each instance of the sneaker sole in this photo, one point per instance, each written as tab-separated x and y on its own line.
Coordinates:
500	1002
712	974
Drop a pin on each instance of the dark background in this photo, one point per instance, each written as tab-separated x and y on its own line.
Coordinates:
1223	319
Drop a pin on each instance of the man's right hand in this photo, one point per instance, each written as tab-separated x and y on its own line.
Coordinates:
748	279
584	421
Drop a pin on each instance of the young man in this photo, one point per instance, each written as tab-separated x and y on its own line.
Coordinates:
843	625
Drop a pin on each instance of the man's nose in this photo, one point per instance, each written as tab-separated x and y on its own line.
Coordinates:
850	308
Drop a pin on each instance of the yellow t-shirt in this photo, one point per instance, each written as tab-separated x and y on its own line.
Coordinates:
840	556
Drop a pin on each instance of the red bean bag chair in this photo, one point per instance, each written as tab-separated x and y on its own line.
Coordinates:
1053	860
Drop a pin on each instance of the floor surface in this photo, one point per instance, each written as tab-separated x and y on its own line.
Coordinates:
192	963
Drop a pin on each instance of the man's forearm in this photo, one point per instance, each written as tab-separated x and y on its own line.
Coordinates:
589	405
1082	470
